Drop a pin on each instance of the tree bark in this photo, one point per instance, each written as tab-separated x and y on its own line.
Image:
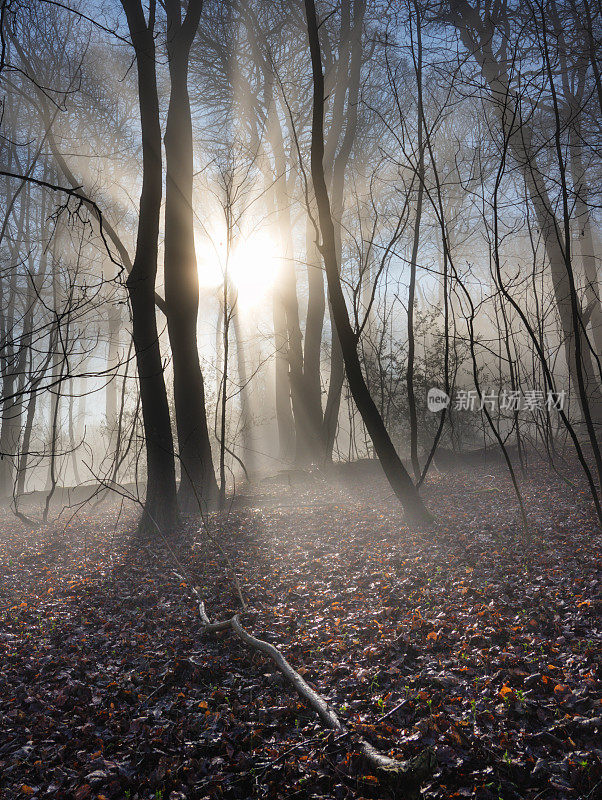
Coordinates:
401	778
113	332
284	413
249	447
586	240
197	476
312	352
160	507
12	357
352	55
414	257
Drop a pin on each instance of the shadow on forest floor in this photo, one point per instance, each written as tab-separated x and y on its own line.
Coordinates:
469	637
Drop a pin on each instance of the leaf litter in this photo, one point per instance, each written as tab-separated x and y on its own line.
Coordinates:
471	638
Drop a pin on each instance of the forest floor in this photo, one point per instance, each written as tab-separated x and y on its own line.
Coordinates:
470	638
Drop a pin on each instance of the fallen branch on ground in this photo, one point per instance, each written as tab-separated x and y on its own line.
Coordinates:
402	777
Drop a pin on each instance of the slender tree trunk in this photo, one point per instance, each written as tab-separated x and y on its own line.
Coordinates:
335	386
55	406
72	440
414	257
395	471
59	363
284	413
197	477
10	419
246	416
113	331
223	396
22	462
312	353
58	366
12	351
339	162
80	423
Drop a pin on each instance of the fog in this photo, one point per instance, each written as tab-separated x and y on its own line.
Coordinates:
232	248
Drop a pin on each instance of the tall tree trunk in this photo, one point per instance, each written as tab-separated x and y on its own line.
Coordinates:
284	413
23	459
586	241
305	437
223	394
395	471
335	386
11	365
287	291
160	508
350	81
113	331
32	382
312	352
197	476
305	432
417	56
246	416
55	427
574	82
58	366
72	440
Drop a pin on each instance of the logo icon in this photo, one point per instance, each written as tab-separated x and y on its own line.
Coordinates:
437	400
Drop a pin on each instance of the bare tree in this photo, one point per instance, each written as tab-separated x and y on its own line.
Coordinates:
160	506
396	473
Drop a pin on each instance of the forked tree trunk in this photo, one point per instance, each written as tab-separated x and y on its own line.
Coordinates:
396	473
287	296
160	508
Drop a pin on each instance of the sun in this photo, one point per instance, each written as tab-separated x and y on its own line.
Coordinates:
252	267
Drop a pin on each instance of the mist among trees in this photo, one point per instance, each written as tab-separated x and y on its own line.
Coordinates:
277	276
